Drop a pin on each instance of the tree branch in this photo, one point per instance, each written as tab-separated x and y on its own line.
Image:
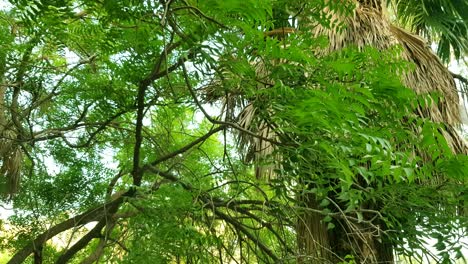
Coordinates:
459	77
186	147
218	122
244	231
83	242
155	74
91	215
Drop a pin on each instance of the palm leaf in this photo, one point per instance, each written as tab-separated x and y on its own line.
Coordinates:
442	21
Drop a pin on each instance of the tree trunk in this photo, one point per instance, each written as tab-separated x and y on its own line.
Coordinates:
358	241
38	255
312	234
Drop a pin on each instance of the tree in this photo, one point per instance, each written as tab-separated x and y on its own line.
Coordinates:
105	105
369	25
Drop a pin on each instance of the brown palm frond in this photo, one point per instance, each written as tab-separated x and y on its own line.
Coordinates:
371	27
228	90
11	157
257	149
368	26
10	153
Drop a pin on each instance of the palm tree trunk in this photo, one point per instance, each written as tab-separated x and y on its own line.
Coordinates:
312	235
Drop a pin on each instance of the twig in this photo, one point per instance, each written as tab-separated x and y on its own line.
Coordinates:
459	77
244	231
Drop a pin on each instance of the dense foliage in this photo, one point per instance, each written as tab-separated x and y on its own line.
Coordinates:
126	136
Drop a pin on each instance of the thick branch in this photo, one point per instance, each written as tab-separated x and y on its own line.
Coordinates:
281	32
138	134
94	214
459	77
83	242
109	222
155	74
93	257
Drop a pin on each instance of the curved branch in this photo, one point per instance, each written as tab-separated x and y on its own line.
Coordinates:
91	215
83	242
188	146
200	14
459	77
54	92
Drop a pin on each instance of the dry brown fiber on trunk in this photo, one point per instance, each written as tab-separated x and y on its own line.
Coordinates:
370	26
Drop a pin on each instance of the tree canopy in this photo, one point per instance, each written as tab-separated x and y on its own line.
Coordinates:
254	131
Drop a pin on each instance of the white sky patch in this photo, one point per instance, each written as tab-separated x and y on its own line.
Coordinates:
146	121
51	166
71	57
107	158
455	67
211	110
5	5
6	210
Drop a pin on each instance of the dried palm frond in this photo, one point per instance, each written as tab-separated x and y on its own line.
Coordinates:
258	149
371	27
444	22
228	91
10	154
368	26
11	157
